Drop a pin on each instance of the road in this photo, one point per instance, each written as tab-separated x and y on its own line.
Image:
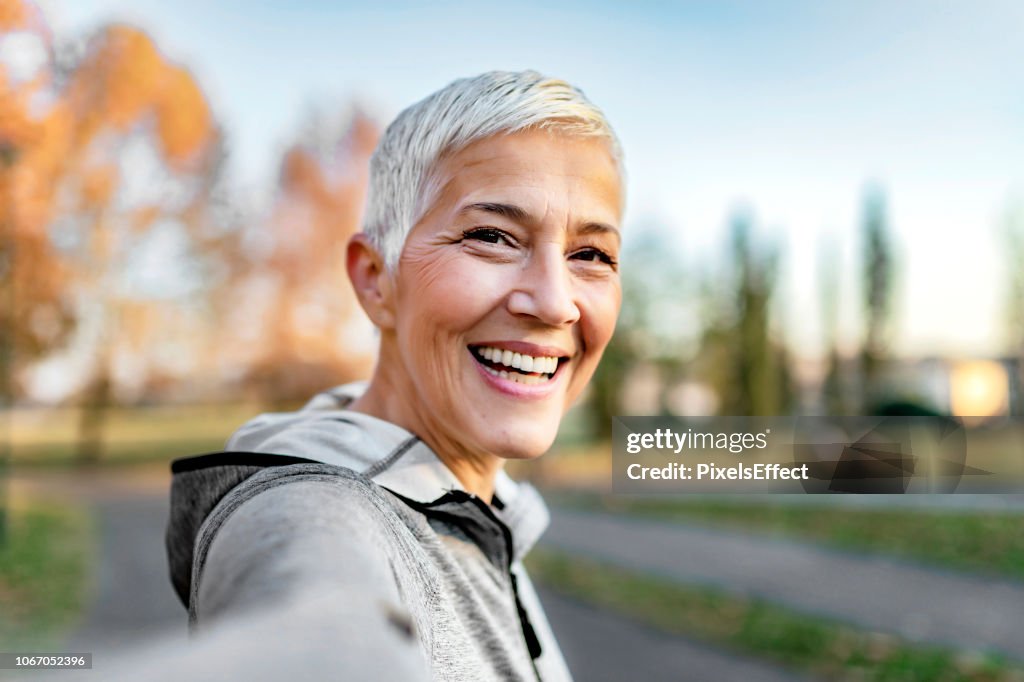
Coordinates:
132	596
881	594
133	605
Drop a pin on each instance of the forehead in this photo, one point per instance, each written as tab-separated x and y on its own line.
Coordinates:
562	172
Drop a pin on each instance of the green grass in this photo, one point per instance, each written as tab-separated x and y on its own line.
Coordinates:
44	570
814	645
991	543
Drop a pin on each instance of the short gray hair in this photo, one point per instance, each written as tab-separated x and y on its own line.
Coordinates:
463	112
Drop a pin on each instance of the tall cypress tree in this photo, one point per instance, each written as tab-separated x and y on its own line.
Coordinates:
877	288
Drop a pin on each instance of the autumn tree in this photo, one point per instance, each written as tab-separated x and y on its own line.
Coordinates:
97	155
142	153
35	312
293	324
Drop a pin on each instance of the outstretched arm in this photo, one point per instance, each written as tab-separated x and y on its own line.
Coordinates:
303	556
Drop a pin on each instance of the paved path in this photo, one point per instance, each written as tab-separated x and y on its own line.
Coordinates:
133	603
888	596
132	596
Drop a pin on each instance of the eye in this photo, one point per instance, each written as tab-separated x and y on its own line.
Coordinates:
489	235
595	256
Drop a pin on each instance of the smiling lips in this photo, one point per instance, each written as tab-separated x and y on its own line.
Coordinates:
521	368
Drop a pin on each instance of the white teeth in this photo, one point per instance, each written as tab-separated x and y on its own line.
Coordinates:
520	361
518	378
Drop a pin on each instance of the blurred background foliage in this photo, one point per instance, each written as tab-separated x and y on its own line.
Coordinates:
135	273
131	273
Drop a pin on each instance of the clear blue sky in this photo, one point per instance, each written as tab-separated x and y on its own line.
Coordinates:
788	107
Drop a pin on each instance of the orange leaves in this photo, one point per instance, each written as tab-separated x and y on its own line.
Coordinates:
121	78
126	82
98	185
143	217
311	333
35	162
184	123
32	145
13	15
33	128
109	187
301	174
72	152
54	128
17	128
41	313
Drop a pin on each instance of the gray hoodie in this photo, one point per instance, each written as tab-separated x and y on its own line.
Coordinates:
327	501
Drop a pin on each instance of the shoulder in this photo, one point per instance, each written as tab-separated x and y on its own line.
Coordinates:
292	526
303	494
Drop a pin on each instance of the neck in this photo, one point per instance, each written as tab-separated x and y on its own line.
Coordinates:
388	400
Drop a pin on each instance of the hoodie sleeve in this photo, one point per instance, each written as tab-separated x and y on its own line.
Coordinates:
300	536
303	543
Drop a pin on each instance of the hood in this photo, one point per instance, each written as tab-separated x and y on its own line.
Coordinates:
325	432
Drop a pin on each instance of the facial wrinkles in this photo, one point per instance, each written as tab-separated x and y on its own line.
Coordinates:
542	178
560	193
427	264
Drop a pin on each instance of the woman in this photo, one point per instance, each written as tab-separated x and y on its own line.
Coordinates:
488	263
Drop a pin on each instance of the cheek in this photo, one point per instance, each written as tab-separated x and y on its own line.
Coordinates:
449	295
600	310
598	313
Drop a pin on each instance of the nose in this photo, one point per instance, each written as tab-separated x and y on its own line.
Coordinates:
545	289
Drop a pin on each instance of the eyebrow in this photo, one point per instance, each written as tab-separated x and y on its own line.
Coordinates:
509	211
521	215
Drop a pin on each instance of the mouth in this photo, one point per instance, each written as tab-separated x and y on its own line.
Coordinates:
521	368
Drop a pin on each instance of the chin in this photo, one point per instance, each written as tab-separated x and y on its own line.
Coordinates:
524	445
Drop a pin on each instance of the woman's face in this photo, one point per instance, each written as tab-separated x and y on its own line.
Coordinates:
507	291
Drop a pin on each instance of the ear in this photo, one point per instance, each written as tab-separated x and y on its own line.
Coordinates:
371	281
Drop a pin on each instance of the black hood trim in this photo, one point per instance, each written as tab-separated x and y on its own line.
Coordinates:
198	484
478	521
235	458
